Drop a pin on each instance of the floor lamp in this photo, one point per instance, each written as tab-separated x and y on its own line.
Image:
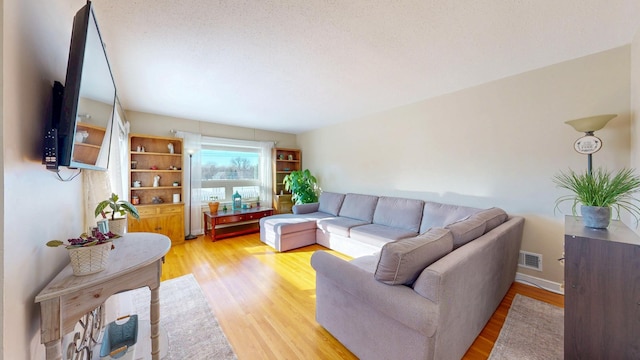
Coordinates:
589	144
190	236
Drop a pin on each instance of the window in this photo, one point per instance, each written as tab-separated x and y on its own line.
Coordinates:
227	169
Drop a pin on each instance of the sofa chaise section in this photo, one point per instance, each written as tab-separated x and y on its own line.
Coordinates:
291	231
436	317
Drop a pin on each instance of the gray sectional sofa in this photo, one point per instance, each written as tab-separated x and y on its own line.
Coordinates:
425	278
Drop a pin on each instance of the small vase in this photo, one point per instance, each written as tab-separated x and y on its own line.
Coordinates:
213	207
595	216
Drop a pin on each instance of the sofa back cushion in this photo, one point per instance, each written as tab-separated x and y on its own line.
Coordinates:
399	213
358	206
440	215
402	261
466	230
330	202
493	217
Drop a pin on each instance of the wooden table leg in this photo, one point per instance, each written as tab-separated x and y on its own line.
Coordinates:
155	323
53	350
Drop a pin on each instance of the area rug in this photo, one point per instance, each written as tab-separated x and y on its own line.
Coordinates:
533	330
192	330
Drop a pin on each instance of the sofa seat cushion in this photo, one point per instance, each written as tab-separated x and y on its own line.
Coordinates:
339	225
358	206
378	235
290	223
402	261
440	215
399	213
330	202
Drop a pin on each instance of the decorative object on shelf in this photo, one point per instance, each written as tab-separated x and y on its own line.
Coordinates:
214	204
175	183
121	207
258	202
170	146
135	200
88	253
156	181
290	157
303	186
599	192
236	203
103	226
280	157
154	167
139	148
157	200
81	136
137	183
134	164
589	144
190	236
224	208
176	198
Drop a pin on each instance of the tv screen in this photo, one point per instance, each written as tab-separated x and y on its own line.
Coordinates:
89	98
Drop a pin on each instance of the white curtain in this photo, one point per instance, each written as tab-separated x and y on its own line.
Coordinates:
266	176
119	159
98	185
192	184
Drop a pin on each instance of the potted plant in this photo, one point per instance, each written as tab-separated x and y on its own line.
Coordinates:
116	206
303	186
88	253
599	192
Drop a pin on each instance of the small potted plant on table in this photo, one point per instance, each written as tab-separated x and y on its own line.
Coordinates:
117	206
88	253
599	192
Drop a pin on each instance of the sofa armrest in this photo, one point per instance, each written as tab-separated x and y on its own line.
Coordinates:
396	301
475	276
305	208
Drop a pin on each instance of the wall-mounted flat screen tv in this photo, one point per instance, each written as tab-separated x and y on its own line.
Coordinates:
84	124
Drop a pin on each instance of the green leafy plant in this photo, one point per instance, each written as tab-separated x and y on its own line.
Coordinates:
117	206
84	240
600	188
303	186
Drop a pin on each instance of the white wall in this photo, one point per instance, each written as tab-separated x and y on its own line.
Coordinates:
498	144
36	206
635	104
159	125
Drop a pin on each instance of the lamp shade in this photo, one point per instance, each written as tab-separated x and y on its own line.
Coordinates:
592	123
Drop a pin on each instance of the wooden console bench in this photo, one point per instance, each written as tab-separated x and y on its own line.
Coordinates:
135	262
224	224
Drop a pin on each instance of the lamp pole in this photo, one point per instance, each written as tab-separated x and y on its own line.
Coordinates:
190	236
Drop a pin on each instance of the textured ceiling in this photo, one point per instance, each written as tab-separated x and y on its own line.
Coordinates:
294	66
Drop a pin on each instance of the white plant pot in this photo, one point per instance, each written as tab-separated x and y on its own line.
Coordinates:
118	226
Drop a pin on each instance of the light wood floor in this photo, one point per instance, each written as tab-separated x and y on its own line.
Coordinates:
265	301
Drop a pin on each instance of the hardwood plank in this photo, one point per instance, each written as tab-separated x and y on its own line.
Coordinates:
265	300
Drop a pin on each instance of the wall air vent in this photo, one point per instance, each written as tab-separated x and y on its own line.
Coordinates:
530	260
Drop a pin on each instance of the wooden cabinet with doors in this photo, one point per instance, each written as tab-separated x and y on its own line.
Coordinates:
284	162
155	185
602	296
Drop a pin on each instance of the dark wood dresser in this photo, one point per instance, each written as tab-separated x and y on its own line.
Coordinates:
602	295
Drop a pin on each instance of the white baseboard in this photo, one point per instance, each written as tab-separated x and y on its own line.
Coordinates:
541	283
